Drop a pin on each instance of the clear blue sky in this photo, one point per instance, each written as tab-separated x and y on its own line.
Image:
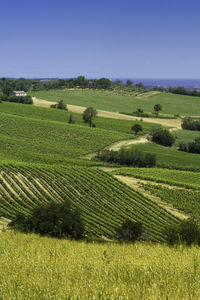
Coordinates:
111	38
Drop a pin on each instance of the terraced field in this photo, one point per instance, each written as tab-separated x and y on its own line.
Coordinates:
104	201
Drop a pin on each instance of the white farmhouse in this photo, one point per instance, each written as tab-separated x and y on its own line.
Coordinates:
19	93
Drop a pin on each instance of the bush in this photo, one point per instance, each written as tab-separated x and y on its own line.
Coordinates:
190	124
162	137
187	232
192	147
88	116
59	105
129	231
55	220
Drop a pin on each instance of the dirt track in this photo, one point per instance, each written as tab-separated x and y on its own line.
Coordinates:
175	123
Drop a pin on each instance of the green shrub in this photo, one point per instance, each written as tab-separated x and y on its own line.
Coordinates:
187	232
130	231
162	137
55	219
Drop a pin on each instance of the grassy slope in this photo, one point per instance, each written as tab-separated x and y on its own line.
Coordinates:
171	103
171	157
42	268
186	136
40	135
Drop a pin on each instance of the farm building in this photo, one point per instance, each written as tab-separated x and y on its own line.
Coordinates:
19	93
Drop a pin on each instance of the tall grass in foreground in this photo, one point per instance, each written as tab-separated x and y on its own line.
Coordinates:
43	268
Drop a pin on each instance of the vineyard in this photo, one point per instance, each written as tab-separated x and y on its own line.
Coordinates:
173	177
184	200
104	201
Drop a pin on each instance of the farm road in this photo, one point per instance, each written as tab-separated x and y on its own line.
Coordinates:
175	123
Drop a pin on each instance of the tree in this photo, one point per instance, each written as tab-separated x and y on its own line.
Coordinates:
129	231
136	128
88	116
71	119
53	219
157	108
129	82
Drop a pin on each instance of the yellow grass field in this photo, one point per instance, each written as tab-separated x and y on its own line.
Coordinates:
32	267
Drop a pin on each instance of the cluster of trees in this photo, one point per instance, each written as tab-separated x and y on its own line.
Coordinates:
190	124
186	232
54	219
17	99
183	91
128	157
162	137
130	231
192	147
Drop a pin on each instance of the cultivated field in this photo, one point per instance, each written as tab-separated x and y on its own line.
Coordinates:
171	103
45	268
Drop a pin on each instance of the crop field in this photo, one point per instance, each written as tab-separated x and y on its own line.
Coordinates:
46	141
41	113
184	200
171	103
173	177
104	201
35	267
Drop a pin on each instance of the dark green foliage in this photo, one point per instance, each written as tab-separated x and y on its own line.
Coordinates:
162	137
183	91
187	232
55	219
88	116
59	105
71	120
129	157
16	99
136	128
157	108
192	147
190	124
130	231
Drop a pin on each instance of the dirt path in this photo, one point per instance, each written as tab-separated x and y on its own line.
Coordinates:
134	183
117	145
175	123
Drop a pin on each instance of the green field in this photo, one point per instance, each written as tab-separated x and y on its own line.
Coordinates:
173	177
171	157
186	136
171	103
45	268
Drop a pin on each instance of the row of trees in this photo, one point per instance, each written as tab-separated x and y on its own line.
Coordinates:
17	99
128	157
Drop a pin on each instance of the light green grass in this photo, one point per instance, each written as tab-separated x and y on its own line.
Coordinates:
186	136
175	177
43	268
171	103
